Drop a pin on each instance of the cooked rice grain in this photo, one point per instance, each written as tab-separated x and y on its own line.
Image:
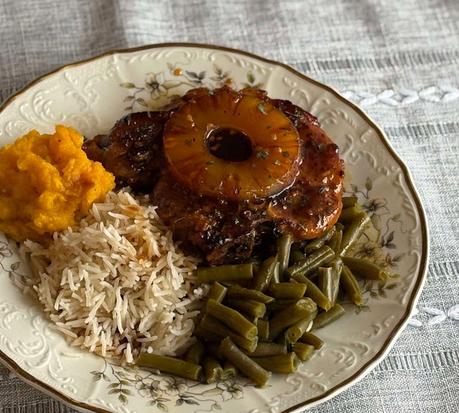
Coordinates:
116	284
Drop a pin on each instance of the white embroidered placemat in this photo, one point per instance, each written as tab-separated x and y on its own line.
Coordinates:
398	60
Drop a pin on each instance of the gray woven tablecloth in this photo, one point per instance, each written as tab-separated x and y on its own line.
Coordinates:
399	60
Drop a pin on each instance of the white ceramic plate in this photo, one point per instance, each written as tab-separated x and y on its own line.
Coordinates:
91	96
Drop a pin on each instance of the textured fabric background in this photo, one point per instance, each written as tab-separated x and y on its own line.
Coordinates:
399	60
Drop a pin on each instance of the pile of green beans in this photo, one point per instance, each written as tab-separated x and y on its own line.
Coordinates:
261	318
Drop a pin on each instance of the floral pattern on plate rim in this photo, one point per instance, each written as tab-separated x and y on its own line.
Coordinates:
160	85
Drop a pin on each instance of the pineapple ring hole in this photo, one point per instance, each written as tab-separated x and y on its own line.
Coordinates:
229	144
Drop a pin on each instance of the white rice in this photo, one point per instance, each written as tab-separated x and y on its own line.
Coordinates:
116	284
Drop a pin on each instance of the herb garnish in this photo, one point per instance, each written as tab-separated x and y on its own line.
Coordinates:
261	108
262	154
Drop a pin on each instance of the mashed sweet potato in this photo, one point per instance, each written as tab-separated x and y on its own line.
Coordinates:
46	183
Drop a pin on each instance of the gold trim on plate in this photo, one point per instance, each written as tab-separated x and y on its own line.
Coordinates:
367	367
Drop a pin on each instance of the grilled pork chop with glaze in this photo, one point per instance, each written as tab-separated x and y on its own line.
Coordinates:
228	170
132	150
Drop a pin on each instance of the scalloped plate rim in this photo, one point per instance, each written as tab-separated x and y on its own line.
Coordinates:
424	259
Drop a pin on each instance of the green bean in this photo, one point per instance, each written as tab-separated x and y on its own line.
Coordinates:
265	274
303	351
263	330
212	330
337	267
352	232
324	281
313	292
232	319
276	274
335	241
170	365
217	292
349	214
351	286
310	338
327	317
279	305
296	256
268	349
319	242
294	332
349	201
320	257
365	268
251	308
211	338
244	364
225	273
241	293
290	315
328	282
195	353
229	371
212	370
284	244
283	363
287	290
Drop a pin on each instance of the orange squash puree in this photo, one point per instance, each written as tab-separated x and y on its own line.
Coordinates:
47	182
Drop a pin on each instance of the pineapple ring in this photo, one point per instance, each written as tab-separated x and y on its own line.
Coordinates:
268	154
